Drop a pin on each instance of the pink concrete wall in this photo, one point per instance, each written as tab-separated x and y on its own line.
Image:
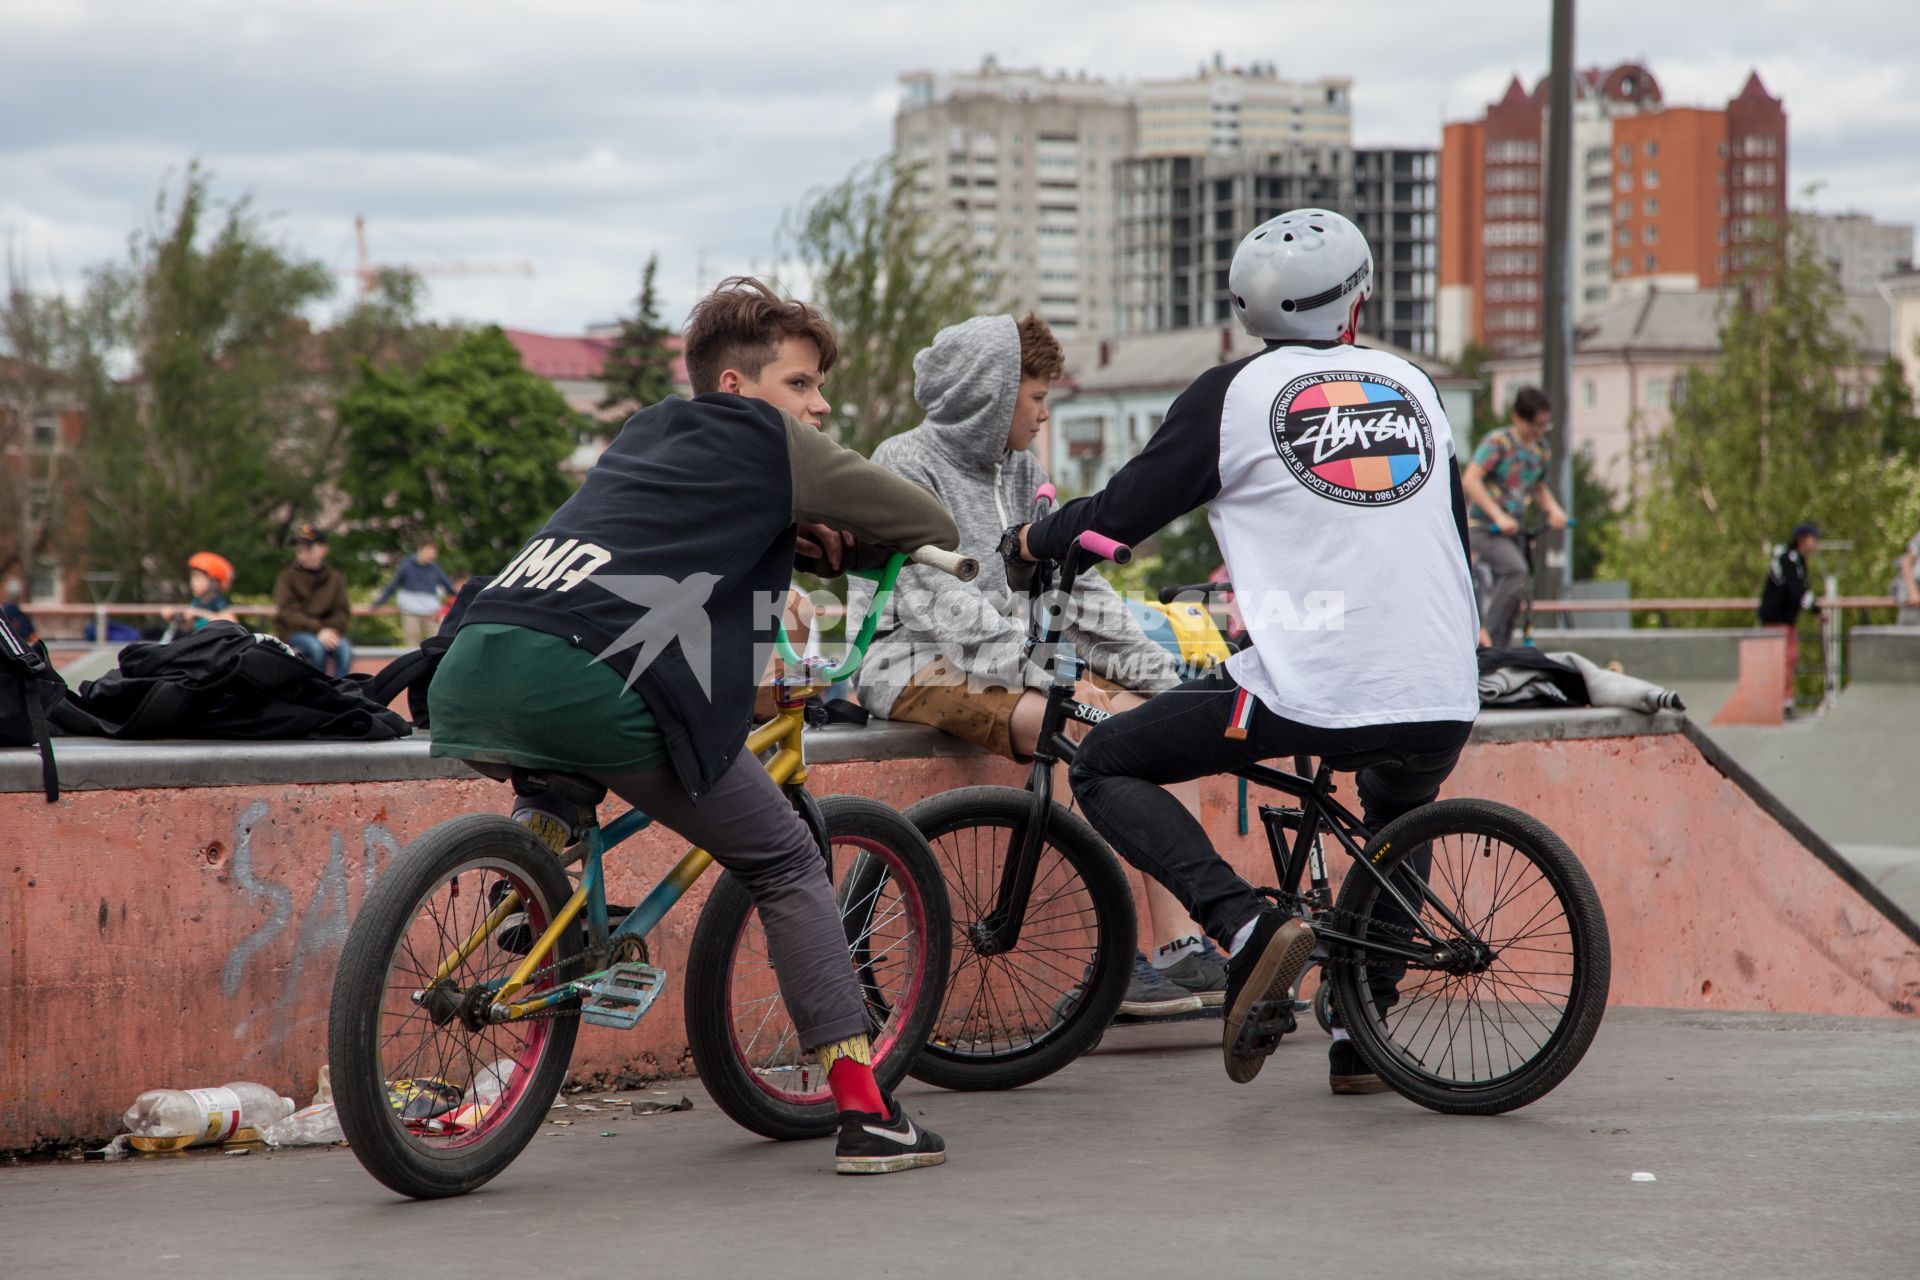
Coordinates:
189	937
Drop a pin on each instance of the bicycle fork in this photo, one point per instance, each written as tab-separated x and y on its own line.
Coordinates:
999	930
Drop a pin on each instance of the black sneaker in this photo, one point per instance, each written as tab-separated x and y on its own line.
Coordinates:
870	1144
1259	1000
1348	1072
514	936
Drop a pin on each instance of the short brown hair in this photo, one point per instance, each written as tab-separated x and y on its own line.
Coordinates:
1531	403
1040	354
740	326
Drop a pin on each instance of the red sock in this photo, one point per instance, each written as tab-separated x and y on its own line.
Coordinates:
854	1088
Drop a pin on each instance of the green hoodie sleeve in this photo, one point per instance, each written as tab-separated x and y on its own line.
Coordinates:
835	486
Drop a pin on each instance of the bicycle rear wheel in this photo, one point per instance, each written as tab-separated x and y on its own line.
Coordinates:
408	1050
1010	1018
1507	1014
894	912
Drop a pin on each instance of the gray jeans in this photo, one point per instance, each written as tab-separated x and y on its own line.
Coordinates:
750	829
1508	570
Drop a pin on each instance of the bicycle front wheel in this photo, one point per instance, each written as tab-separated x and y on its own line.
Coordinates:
894	913
1011	1017
434	1099
1504	1011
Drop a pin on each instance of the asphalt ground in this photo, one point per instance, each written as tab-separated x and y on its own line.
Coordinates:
1779	1146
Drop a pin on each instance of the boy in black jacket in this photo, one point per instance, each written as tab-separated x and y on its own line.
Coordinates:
620	644
1786	593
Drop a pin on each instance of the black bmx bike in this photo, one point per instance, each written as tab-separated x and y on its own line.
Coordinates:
1464	947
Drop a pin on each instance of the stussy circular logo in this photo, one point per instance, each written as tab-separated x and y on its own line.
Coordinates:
1357	438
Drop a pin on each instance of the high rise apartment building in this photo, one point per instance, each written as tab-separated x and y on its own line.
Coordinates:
1671	196
1025	163
1860	251
1252	109
1395	202
1181	217
1046	173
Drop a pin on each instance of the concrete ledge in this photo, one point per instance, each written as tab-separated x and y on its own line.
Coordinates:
1664	654
1883	655
98	764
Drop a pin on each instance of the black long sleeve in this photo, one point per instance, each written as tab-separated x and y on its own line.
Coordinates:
1460	510
1177	471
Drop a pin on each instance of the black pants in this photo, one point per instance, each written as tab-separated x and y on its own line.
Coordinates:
1180	735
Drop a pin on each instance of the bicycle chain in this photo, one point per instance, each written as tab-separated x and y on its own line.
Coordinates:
1347	922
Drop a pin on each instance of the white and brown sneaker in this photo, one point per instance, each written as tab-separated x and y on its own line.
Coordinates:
1259	1004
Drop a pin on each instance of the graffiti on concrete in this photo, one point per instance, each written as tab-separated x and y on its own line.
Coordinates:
322	925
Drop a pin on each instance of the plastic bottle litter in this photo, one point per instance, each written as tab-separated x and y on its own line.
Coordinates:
173	1119
489	1083
314	1126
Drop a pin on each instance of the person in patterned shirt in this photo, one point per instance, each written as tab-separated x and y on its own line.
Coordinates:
1508	469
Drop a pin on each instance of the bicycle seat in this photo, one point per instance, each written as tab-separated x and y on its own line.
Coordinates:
1358	760
579	788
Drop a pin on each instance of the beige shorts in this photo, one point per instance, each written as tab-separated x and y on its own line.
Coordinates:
938	695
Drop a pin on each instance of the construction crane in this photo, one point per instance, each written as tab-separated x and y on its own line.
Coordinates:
367	272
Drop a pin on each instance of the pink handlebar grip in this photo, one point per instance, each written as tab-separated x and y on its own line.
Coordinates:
1043	499
1105	547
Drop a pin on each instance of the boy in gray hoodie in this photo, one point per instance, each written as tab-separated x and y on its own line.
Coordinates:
950	656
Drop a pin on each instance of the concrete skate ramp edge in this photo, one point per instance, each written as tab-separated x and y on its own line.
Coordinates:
1816	844
177	918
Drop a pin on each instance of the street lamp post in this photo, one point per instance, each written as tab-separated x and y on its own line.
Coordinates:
1556	310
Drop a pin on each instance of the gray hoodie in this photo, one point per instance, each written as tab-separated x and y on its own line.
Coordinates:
968	382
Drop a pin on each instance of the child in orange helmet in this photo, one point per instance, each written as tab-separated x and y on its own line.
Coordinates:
210	576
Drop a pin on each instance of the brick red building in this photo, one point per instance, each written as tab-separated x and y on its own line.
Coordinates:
1673	196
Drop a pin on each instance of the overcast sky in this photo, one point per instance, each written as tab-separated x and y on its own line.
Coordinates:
580	135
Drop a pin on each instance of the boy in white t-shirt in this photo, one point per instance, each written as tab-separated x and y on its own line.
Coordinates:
1330	478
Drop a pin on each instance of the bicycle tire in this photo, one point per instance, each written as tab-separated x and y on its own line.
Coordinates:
1512	996
776	1092
1068	1033
467	853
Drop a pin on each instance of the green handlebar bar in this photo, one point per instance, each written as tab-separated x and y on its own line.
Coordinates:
856	653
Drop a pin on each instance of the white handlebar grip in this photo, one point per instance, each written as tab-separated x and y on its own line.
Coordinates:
965	568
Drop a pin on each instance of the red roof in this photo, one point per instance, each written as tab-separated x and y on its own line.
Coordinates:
576	359
1754	91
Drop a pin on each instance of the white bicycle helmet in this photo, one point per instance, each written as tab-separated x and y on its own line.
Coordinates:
1302	275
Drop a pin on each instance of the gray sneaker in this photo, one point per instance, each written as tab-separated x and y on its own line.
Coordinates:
1202	974
1150	995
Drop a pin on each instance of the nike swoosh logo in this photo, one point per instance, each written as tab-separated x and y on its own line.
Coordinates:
894	1134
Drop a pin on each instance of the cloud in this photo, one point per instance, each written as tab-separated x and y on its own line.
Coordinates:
585	134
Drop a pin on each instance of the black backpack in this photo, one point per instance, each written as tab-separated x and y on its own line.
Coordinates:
30	692
225	682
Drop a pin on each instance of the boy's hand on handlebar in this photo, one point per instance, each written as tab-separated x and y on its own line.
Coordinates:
1558	520
1506	524
823	542
1020	563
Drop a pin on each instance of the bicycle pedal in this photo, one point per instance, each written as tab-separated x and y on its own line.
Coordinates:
618	997
1267	1021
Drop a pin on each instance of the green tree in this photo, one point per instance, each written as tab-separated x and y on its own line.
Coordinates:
37	334
466	452
639	366
890	275
1764	439
210	443
1890	412
1472	363
1596	518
